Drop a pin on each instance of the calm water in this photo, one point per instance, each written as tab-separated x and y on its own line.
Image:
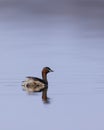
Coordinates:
75	52
76	88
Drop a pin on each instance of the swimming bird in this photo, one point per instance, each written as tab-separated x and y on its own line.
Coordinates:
34	84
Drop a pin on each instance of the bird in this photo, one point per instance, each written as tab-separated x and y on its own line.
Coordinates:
35	84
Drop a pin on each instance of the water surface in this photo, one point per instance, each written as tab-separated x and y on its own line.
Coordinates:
72	47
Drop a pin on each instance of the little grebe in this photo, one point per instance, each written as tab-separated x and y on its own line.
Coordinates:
34	84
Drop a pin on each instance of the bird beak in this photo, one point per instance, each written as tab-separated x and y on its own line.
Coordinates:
51	71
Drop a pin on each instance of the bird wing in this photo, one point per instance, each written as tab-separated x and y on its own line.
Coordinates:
36	79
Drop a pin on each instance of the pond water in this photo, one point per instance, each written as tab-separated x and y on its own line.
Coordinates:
76	87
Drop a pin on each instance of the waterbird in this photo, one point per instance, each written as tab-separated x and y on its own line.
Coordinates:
35	84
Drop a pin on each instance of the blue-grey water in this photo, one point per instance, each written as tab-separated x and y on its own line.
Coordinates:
69	38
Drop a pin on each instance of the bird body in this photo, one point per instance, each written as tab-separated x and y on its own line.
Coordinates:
34	84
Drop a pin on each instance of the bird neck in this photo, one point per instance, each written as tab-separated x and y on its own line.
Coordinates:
44	76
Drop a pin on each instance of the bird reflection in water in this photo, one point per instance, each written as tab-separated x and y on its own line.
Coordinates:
45	99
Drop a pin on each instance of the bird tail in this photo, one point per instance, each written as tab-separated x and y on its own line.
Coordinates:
23	83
